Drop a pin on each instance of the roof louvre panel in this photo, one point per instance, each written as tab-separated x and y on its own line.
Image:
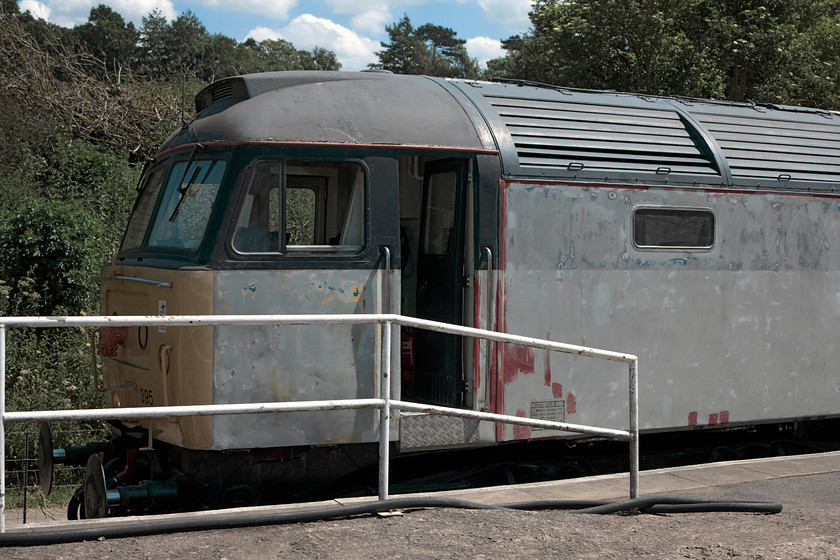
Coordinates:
780	146
619	136
545	131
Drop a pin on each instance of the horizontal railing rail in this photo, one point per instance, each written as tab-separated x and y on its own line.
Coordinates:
385	403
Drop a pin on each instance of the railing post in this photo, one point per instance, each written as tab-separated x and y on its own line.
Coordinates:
2	428
634	428
385	414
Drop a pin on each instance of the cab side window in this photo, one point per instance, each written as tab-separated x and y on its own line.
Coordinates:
298	208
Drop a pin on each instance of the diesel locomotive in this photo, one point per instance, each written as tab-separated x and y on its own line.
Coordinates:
700	235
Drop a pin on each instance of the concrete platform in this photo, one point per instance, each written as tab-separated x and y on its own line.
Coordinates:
674	481
660	481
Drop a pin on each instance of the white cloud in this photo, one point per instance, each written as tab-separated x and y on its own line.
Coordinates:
35	8
484	49
359	7
511	14
69	13
136	10
274	9
372	22
306	32
262	33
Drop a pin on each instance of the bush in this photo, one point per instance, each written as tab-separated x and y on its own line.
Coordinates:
102	183
49	257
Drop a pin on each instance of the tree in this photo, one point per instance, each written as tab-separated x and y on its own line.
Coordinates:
526	59
106	35
629	45
222	57
447	54
430	49
273	55
9	8
186	41
776	51
405	53
154	47
323	59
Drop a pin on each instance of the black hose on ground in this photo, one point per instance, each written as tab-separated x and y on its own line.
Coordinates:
228	520
653	504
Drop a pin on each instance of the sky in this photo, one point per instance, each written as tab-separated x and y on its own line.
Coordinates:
353	29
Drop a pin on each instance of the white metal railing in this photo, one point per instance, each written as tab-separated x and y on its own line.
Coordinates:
385	404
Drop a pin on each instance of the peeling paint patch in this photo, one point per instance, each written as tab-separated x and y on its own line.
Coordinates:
547	367
557	390
355	293
571	403
249	288
518	359
692	418
521	432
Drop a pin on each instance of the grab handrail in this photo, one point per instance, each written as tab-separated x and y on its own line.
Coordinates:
491	298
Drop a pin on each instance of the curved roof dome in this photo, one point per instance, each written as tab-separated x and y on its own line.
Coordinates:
335	107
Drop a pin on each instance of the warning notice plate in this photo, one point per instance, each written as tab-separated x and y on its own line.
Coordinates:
552	411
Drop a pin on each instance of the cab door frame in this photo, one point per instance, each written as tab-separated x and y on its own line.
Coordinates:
442	281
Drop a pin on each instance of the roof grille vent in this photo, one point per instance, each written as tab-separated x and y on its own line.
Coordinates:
223	91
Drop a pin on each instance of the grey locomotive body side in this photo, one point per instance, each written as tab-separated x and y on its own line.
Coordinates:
738	332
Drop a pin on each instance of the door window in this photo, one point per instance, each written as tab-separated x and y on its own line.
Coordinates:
440	213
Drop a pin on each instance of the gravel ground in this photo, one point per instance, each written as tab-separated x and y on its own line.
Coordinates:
806	528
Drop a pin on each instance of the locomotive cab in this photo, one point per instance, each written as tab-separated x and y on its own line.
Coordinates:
243	230
232	219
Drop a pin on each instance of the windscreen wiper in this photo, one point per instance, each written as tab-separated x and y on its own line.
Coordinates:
183	190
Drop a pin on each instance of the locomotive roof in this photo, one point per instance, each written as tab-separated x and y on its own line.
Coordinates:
547	131
368	108
540	131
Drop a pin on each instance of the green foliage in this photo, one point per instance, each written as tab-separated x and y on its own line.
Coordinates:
277	55
82	107
100	181
185	48
430	50
9	8
49	257
107	36
771	51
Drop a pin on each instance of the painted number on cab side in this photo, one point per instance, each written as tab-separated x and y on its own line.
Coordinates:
146	397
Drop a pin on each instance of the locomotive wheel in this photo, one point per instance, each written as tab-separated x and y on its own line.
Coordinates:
75	509
95	498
